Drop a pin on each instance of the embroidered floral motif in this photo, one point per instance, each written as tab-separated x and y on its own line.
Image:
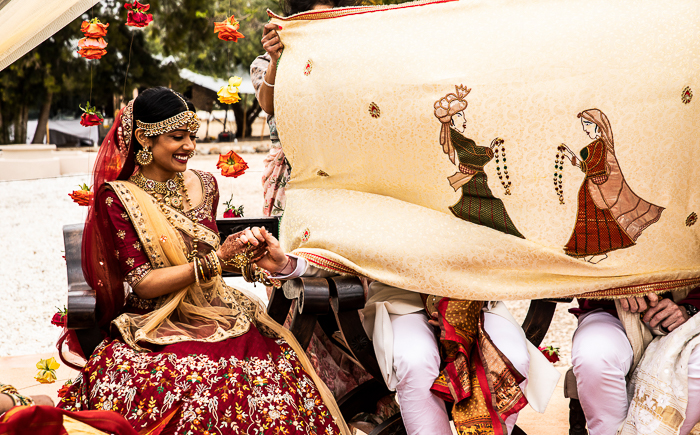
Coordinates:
306	235
687	95
116	254
137	246
109	200
163	239
130	262
125	216
121	234
136	275
691	219
308	67
322	173
268	393
374	111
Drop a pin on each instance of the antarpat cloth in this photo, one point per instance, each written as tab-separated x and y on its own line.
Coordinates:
496	150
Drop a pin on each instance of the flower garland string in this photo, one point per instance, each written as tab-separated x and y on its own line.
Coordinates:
559	173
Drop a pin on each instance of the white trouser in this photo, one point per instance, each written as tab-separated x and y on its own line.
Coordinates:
417	365
602	356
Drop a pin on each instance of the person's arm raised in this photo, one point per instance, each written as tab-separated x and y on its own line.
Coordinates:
273	46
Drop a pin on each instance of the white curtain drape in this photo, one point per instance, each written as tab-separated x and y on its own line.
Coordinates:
24	24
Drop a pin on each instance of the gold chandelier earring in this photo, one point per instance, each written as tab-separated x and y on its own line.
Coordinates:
144	157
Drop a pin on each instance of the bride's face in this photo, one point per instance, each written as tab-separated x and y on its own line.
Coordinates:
459	122
171	150
590	128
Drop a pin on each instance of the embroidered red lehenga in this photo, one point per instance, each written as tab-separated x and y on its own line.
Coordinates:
204	359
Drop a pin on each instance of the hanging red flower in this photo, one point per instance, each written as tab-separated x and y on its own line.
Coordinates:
231	165
550	352
93	45
231	210
59	319
83	196
137	16
228	29
90	116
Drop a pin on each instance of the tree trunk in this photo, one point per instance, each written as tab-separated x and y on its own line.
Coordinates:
20	124
40	132
245	119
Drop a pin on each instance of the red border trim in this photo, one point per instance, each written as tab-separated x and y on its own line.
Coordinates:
355	10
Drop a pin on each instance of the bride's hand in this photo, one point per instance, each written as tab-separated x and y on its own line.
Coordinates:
238	243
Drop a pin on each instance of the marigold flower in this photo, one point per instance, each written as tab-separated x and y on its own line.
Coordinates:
231	165
47	371
83	196
228	29
94	29
137	16
229	94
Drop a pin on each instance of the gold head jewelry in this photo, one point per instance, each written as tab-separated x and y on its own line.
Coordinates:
188	118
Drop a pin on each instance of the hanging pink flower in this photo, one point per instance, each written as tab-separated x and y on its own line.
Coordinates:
137	16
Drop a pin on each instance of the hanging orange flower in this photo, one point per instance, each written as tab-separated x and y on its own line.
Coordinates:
83	196
93	45
228	29
231	165
137	16
94	28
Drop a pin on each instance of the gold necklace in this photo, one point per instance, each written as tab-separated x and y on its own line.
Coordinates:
170	196
169	190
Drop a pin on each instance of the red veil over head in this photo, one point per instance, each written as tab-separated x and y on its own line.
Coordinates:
115	161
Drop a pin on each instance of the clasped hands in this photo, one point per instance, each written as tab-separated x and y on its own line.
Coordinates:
656	310
262	247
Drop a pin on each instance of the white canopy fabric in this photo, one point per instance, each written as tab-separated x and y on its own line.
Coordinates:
24	24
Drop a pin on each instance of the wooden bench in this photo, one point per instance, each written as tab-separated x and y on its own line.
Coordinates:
333	303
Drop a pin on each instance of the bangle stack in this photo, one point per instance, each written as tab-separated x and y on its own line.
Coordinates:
17	399
206	267
250	271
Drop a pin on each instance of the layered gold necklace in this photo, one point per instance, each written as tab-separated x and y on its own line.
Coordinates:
168	190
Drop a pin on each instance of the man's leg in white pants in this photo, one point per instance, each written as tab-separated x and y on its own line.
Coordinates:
692	413
417	365
506	337
602	355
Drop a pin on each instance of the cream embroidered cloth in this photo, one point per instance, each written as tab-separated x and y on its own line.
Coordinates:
659	387
424	140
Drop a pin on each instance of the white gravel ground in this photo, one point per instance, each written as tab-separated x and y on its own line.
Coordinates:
33	273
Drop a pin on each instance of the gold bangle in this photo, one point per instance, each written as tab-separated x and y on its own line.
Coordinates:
196	277
215	260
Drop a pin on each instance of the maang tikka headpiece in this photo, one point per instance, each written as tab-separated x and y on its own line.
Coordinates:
188	117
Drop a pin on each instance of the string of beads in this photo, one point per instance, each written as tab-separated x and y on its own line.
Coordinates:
498	142
559	173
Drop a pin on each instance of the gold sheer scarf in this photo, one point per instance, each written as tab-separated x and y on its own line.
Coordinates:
207	312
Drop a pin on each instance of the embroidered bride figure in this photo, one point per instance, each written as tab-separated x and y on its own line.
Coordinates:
610	215
477	204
